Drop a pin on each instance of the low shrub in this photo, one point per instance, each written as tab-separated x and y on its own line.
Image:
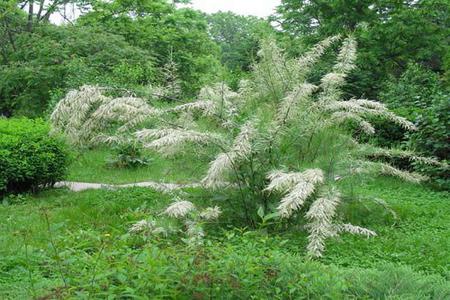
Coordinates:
29	158
128	156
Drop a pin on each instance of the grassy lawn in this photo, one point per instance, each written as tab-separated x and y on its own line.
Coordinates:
419	236
91	166
60	244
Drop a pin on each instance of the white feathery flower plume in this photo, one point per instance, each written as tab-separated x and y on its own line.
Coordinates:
211	213
242	145
306	61
407	176
85	114
346	57
200	105
166	139
362	107
364	166
373	151
271	75
287	107
216	101
217	168
240	150
370	104
295	199
281	181
179	209
72	112
111	139
298	186
353	229
141	226
332	82
148	227
340	117
194	232
321	214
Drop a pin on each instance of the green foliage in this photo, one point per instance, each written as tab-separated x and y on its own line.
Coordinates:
412	92
239	40
409	96
390	34
165	31
433	136
117	44
238	37
434	127
54	59
419	222
420	96
128	155
30	159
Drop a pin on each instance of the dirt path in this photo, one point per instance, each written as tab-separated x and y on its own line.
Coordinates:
82	186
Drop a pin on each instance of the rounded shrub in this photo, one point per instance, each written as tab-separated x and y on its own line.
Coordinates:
433	136
30	158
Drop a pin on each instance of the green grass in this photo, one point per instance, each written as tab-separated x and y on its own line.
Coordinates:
86	250
418	237
91	166
59	245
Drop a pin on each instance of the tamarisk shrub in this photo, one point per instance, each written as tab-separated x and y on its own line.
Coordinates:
86	116
281	137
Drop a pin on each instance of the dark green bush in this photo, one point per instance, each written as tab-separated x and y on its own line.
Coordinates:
419	96
412	92
30	159
408	96
433	137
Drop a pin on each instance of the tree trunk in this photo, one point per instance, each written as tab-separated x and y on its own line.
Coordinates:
30	16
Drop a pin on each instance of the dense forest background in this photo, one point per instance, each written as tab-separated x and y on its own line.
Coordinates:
159	48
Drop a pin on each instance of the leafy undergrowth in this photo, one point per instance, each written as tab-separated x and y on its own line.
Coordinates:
60	244
91	166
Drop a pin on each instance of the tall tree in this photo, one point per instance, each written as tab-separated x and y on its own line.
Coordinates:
238	37
390	33
160	27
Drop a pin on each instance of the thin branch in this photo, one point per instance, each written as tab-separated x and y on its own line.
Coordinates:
41	7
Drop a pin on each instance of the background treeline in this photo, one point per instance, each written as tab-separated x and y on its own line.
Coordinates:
151	45
127	44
